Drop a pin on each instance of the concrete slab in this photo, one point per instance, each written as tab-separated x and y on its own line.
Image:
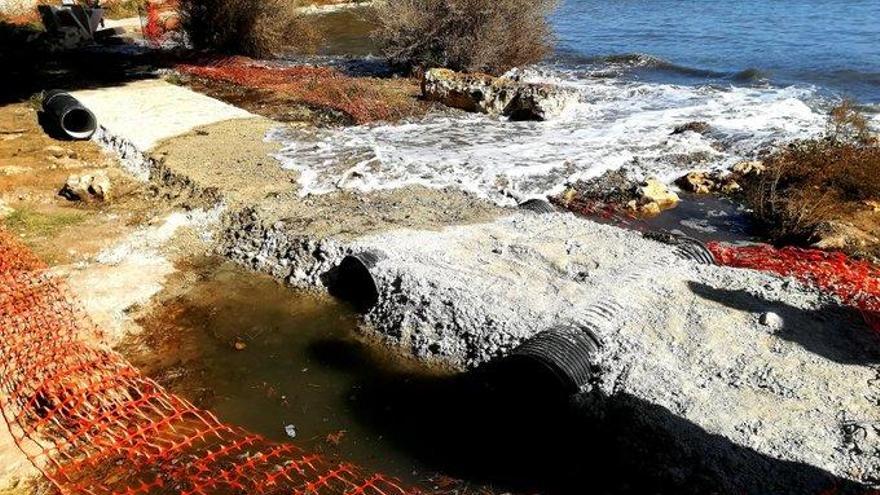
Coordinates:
146	112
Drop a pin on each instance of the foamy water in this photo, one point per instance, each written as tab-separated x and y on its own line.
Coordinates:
616	123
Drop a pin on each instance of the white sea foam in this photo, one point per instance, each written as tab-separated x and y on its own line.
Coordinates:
616	123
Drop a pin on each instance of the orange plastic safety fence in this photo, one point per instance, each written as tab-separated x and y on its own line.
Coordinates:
94	425
855	282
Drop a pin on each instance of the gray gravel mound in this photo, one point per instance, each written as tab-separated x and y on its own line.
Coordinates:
774	368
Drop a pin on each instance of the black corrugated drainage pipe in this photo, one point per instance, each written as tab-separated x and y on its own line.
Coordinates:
685	247
562	357
354	281
539	206
68	115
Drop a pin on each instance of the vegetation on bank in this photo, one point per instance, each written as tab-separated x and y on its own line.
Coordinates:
818	189
490	36
256	28
321	95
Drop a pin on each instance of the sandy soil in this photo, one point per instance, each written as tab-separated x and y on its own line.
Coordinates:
234	159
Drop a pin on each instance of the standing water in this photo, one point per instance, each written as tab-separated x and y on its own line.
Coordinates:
292	367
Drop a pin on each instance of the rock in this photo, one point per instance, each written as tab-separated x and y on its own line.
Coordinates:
494	95
700	182
873	205
654	191
239	345
87	187
290	431
771	319
698	126
697	182
834	235
649	209
537	102
58	152
730	186
470	92
5	210
747	168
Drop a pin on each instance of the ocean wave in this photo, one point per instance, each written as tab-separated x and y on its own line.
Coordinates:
616	123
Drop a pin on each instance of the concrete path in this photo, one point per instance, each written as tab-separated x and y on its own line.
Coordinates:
146	112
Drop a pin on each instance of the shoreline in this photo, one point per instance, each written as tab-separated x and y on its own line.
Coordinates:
464	281
271	232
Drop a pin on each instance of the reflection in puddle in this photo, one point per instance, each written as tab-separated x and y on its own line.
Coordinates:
283	364
256	354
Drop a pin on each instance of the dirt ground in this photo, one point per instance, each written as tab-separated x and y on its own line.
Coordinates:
243	173
114	254
34	169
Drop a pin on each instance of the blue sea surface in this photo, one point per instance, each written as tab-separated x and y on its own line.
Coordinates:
833	45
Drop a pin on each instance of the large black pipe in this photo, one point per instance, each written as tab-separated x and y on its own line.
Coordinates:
563	355
538	206
68	115
354	281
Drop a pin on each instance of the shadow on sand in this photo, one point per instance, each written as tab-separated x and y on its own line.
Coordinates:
509	427
834	332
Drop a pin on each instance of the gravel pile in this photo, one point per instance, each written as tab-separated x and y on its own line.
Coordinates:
782	376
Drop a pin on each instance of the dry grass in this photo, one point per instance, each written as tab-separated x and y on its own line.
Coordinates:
467	35
812	182
357	100
120	9
257	28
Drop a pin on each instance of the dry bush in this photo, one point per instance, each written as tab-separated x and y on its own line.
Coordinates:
812	182
275	91
470	35
848	124
120	9
257	28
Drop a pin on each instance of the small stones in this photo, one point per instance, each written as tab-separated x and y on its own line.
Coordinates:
8	170
873	206
239	345
698	126
771	319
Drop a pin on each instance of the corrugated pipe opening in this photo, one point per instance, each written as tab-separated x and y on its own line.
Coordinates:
685	247
561	357
354	282
539	206
69	116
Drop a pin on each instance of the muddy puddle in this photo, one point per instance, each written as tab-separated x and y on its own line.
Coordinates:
703	217
290	365
707	218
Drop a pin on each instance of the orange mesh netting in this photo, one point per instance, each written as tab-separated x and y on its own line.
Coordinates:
93	424
855	282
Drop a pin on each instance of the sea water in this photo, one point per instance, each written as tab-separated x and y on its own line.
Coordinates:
760	73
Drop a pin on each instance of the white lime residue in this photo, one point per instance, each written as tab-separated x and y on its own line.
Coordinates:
615	123
132	271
